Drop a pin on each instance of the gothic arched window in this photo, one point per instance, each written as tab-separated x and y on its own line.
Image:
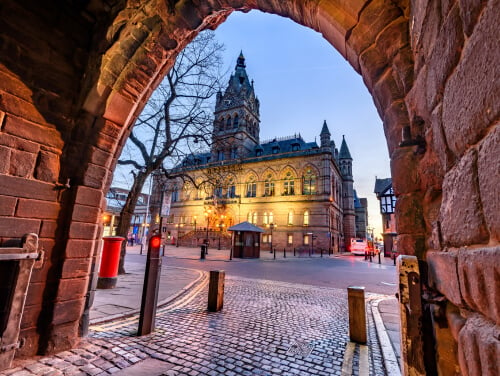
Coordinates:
269	186
309	182
236	121
228	122
288	185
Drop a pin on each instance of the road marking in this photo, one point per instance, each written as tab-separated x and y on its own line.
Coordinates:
348	355
364	365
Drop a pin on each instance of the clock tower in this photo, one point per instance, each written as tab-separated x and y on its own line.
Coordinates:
236	117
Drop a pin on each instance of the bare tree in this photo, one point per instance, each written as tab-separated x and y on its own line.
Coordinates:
177	121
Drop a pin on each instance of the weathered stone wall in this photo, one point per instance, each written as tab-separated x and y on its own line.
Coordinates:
72	80
456	100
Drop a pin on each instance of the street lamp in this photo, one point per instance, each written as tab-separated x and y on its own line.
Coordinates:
271	227
207	216
220	225
177	227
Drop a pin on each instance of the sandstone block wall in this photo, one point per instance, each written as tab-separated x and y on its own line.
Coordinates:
74	76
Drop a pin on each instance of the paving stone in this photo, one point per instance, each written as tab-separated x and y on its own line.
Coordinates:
252	335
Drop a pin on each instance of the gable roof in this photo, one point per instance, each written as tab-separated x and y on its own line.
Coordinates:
382	185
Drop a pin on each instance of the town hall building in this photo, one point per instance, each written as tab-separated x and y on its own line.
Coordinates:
300	193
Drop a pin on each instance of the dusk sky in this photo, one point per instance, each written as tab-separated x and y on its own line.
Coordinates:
301	80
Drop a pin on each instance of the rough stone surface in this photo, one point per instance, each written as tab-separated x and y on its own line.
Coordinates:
479	347
488	166
470	101
443	275
478	271
462	219
407	180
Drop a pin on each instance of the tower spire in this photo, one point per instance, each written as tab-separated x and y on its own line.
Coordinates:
240	63
344	150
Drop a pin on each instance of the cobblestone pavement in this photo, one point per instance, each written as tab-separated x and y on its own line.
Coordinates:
265	328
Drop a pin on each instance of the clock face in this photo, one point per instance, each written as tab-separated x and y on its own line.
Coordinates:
228	102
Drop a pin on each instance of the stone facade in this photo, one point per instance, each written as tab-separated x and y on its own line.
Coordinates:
300	193
66	109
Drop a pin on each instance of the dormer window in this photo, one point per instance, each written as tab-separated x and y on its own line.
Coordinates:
295	147
276	149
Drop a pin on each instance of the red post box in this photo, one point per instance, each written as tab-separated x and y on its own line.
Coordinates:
108	272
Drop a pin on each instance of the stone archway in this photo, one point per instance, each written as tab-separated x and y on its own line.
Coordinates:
74	77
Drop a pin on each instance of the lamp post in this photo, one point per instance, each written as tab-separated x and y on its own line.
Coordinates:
271	227
207	216
221	226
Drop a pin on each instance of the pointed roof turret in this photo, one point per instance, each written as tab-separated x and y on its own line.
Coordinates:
324	136
240	63
325	129
344	150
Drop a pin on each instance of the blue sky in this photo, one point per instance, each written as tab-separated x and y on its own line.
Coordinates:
301	80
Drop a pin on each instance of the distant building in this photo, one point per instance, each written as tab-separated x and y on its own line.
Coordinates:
115	199
361	210
385	194
299	192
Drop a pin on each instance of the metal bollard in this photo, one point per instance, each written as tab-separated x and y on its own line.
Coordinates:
321	252
284	253
379	257
216	290
202	253
274	249
357	315
294	252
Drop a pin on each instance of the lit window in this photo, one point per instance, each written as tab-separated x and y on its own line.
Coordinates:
289	239
288	185
271	217
290	218
266	218
309	183
269	186
306	218
306	239
249	217
254	221
251	187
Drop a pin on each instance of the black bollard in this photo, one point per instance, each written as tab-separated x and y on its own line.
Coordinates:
321	252
202	253
294	252
274	250
379	257
284	253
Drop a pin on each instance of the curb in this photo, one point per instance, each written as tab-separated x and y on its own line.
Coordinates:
160	304
388	354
